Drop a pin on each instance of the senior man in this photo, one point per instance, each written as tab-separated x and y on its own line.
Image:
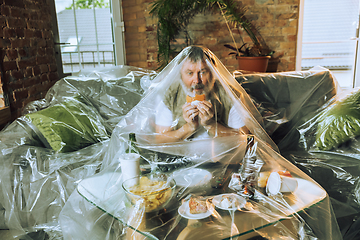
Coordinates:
178	119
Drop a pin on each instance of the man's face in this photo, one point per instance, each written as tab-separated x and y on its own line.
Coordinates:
196	77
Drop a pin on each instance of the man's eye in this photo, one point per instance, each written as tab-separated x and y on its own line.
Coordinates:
190	73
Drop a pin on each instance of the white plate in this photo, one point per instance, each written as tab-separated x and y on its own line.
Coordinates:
217	201
192	177
184	211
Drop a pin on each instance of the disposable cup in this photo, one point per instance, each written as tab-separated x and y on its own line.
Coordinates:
130	166
280	184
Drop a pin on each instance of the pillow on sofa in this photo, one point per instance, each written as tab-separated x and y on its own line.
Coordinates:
339	123
68	126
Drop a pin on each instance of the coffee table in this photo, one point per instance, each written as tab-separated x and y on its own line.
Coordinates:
104	191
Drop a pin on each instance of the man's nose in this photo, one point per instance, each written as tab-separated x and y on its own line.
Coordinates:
198	78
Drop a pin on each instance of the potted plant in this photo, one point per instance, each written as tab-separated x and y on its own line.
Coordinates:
251	57
174	16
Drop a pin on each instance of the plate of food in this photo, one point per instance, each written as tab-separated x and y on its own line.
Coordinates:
229	201
194	208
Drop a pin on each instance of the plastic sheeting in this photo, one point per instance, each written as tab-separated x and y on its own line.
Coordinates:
328	151
204	168
99	204
52	192
314	124
36	177
286	100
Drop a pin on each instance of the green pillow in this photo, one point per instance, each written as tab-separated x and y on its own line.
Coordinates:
339	123
69	125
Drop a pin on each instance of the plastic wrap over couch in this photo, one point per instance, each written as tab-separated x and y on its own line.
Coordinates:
316	126
328	151
40	175
59	141
288	99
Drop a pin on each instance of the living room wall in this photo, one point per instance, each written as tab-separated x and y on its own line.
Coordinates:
277	21
28	65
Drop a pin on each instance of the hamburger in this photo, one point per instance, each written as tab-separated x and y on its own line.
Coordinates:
195	100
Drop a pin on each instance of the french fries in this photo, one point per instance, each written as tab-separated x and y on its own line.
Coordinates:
151	193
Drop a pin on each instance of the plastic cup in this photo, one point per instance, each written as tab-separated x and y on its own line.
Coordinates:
280	184
130	166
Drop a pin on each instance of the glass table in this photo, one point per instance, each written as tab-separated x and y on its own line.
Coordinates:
104	190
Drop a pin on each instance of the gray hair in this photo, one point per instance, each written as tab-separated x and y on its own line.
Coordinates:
196	54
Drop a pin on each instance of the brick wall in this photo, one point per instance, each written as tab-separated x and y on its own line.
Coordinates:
276	19
27	54
135	15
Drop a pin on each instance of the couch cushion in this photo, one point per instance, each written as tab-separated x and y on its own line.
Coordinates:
339	123
68	126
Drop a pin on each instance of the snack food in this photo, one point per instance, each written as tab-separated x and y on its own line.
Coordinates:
153	193
197	206
262	179
229	201
195	100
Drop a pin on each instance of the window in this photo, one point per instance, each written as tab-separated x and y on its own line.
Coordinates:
87	33
72	44
329	37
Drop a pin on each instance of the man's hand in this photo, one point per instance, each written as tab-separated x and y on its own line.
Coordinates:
206	112
190	114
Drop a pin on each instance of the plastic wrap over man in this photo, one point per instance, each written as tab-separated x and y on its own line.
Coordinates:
194	172
196	106
192	100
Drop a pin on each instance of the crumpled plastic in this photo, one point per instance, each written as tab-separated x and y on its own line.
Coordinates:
203	168
328	151
40	194
335	126
100	204
314	108
286	100
37	180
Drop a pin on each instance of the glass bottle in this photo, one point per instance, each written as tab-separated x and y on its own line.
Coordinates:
132	147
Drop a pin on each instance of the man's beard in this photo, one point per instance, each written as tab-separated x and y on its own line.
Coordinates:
205	89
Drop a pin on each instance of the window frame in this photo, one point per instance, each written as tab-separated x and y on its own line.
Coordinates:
117	28
356	67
